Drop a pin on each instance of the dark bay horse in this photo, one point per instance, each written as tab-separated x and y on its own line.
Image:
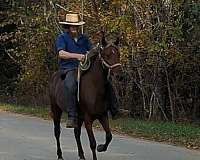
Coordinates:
92	105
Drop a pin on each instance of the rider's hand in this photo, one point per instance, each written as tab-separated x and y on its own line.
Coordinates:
81	57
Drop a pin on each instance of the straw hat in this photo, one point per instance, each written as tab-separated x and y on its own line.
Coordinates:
73	19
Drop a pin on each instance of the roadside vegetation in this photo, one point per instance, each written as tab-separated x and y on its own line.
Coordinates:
41	112
159	47
186	135
173	133
160	55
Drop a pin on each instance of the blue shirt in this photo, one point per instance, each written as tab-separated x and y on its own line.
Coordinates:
65	42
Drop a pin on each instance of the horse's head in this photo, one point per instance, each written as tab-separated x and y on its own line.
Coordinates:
110	57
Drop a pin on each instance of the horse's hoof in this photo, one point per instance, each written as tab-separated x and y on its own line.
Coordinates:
81	159
101	148
60	159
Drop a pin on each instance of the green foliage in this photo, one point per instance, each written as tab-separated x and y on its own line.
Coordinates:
159	49
162	39
29	38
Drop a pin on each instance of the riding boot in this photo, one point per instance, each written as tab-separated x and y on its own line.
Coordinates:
72	117
112	101
71	98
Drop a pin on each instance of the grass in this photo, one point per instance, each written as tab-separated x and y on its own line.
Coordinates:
42	112
179	134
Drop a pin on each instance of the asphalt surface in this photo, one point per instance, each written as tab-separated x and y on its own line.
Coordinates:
28	138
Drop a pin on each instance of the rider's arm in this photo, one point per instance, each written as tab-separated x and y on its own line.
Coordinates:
60	47
68	55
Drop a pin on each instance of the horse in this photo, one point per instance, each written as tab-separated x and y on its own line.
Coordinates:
92	103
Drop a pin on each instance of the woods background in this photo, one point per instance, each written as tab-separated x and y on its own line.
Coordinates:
160	52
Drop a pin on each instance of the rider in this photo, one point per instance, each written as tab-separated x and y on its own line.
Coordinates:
71	47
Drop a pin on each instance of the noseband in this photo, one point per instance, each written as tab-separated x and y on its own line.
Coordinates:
110	67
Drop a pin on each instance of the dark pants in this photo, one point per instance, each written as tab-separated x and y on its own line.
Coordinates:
70	83
111	98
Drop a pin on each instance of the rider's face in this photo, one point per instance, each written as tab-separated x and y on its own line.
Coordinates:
73	29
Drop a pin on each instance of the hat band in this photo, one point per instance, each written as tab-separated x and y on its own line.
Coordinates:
72	22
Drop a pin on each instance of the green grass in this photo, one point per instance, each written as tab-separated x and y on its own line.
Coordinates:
42	112
180	134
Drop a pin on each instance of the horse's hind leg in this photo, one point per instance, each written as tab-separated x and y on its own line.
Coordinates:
105	124
56	113
77	133
88	126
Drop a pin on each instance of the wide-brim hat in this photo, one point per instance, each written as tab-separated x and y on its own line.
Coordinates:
72	19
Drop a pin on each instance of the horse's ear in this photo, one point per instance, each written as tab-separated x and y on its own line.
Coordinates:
103	40
117	41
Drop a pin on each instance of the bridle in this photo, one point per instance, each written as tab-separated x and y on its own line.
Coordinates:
106	64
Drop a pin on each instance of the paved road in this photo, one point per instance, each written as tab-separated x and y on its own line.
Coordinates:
27	138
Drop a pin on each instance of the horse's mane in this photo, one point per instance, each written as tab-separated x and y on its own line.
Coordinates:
90	58
93	52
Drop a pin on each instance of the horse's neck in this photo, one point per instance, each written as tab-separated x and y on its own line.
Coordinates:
97	71
93	89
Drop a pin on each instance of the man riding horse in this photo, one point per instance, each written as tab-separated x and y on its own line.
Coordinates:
71	47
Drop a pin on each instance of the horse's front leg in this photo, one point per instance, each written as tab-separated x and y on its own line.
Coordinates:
88	126
77	133
105	124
